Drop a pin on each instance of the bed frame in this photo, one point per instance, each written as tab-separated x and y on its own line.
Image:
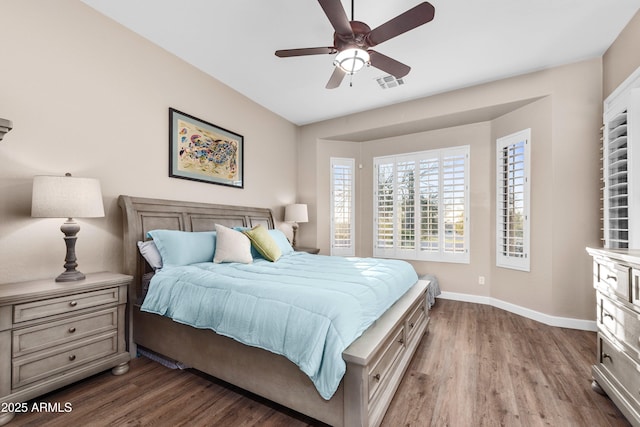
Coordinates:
376	361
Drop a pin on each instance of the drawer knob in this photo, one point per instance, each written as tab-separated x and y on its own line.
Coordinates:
401	340
606	356
72	330
73	303
376	377
411	325
610	316
612	277
72	357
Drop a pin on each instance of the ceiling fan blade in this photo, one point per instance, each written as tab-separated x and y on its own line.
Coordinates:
412	18
305	51
336	78
382	62
337	16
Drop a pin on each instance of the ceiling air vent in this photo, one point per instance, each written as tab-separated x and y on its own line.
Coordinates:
388	82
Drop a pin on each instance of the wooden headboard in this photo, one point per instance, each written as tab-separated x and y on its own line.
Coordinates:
141	215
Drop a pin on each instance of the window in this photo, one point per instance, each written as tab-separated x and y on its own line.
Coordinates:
512	200
342	207
421	205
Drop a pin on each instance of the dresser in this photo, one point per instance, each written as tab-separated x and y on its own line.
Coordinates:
616	373
53	334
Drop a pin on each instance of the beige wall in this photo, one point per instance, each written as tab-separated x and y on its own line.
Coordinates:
534	289
623	56
89	97
563	107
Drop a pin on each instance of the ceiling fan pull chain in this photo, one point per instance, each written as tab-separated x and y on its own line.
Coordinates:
352	11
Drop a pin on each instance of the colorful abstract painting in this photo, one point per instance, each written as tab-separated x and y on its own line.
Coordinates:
201	151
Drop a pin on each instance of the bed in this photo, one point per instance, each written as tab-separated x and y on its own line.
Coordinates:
375	362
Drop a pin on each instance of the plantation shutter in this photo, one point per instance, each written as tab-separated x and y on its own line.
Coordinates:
421	205
405	204
384	211
342	206
429	202
454	202
617	183
512	201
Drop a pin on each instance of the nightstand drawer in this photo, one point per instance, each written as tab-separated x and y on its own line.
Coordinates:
36	338
66	304
48	363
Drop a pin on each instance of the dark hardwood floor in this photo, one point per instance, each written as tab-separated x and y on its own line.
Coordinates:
478	366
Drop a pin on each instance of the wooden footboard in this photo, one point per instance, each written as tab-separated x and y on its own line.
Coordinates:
376	362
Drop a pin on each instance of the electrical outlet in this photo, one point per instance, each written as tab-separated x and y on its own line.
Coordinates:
481	280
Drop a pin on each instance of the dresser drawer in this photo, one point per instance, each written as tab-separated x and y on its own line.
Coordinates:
416	317
611	277
619	367
383	362
65	304
616	320
48	363
36	338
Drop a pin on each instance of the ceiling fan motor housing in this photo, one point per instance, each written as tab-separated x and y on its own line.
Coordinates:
356	40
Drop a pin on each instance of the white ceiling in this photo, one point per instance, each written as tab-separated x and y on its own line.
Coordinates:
468	42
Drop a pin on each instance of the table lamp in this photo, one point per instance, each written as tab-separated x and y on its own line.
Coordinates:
67	197
295	213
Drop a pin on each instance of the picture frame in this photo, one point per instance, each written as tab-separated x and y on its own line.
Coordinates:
202	151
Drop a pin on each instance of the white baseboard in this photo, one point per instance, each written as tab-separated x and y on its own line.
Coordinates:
561	322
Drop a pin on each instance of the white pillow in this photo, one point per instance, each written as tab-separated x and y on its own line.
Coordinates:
232	246
150	252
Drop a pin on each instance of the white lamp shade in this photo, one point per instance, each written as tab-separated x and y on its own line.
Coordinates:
66	197
352	60
296	213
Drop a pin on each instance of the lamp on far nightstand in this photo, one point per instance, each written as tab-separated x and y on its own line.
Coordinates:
295	213
67	197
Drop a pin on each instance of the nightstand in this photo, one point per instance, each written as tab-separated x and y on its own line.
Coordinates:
55	333
308	250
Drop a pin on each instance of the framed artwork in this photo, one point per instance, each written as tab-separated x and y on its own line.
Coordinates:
201	151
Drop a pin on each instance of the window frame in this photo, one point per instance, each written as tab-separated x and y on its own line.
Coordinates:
503	259
441	254
350	249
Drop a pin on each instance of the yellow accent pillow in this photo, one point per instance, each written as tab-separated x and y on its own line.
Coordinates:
264	243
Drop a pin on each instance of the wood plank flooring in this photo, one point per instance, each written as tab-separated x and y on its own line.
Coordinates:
478	366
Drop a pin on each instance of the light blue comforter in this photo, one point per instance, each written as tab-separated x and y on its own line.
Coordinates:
308	308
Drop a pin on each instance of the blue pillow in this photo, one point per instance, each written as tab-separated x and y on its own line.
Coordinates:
184	247
281	240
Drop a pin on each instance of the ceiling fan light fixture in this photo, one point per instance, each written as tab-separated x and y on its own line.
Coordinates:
352	60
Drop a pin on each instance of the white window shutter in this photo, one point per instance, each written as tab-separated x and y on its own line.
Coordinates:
421	205
513	200
342	206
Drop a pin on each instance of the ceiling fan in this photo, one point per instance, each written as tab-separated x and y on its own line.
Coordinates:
353	40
